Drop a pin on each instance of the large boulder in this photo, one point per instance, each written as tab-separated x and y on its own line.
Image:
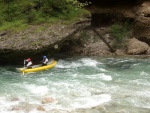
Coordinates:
136	47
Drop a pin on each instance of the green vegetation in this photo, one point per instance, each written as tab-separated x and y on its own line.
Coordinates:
18	14
119	32
14	25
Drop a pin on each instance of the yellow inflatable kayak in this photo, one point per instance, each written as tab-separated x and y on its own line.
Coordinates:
38	67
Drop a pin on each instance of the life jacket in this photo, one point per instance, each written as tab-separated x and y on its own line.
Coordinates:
45	61
29	64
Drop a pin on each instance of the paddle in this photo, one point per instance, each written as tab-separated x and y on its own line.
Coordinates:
24	67
24	63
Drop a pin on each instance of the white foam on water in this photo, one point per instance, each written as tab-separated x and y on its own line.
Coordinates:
89	62
5	104
103	70
106	77
138	102
62	84
101	76
140	82
67	64
80	92
75	75
127	60
143	93
88	102
36	111
78	63
13	112
38	90
73	103
143	73
42	80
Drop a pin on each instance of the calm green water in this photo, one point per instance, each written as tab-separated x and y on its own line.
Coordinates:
79	85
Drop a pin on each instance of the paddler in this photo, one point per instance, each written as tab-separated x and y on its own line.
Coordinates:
44	61
28	63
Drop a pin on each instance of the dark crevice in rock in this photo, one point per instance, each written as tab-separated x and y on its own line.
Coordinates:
113	2
144	39
106	19
147	15
71	42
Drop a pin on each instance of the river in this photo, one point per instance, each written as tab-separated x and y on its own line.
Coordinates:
79	85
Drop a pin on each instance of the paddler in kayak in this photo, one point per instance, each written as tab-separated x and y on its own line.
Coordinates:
28	63
44	61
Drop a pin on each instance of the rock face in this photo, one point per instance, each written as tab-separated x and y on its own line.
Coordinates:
142	25
111	11
34	38
35	41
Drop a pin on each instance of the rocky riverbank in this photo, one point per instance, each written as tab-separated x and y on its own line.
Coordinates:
78	38
74	39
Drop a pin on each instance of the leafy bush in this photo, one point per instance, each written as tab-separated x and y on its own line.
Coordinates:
39	11
119	32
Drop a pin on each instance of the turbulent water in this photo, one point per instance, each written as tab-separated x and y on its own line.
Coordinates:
79	85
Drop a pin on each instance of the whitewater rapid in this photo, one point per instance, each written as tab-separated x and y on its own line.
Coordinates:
79	85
